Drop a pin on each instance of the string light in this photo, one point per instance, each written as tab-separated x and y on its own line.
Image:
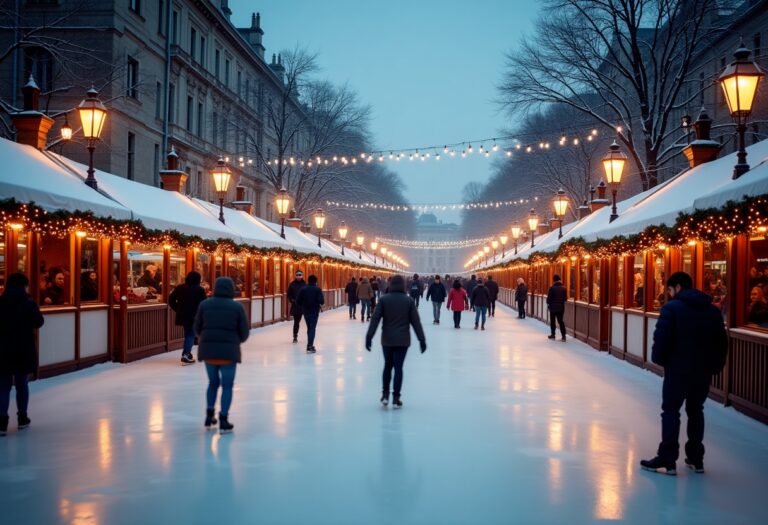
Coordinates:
434	245
428	207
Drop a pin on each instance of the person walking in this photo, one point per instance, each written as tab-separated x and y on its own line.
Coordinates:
398	313
351	291
691	343
221	326
436	293
365	296
19	318
521	297
184	300
293	292
457	302
481	300
416	289
556	297
470	287
310	300
493	290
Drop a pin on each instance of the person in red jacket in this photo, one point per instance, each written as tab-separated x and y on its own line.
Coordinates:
457	302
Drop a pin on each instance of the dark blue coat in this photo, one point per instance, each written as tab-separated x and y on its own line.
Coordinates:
293	292
493	288
185	299
398	313
556	298
436	292
310	299
221	324
19	317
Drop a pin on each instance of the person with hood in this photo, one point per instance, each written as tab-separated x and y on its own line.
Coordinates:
310	300
293	292
398	313
19	318
416	289
89	286
436	293
493	290
351	291
690	342
470	286
457	302
365	296
481	300
521	297
556	298
221	326
184	300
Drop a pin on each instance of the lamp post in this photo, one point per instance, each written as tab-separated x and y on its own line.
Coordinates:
360	240
342	234
613	164
503	240
374	249
93	114
533	222
739	81
282	203
319	223
494	245
685	123
221	176
66	129
561	206
515	230
383	253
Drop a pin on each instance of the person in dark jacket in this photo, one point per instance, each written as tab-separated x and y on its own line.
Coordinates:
481	300
19	318
493	291
293	292
54	293
690	342
398	313
470	287
184	300
221	326
416	289
310	299
521	297
89	286
556	298
437	294
351	291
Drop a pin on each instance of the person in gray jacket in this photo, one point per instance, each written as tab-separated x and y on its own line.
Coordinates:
221	326
399	313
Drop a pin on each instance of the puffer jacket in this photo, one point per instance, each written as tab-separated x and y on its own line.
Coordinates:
293	293
493	288
399	314
186	298
480	296
556	298
19	317
364	290
221	324
521	293
436	293
457	299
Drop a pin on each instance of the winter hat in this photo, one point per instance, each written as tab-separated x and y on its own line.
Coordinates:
556	278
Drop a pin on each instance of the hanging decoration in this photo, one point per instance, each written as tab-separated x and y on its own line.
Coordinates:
434	245
428	207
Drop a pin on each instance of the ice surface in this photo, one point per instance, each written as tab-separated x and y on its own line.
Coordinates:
498	427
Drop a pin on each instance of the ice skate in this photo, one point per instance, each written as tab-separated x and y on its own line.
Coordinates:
659	466
225	427
210	419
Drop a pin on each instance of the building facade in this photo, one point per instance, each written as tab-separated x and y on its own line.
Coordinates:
434	261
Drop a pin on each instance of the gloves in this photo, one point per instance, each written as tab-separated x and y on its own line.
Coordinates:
423	345
368	345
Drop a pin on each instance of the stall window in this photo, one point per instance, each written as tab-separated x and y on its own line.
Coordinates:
55	270
203	267
256	286
572	279
2	260
236	270
659	280
177	268
218	271
268	276
638	291
115	276
584	279
756	307
715	274
687	260
89	270
596	281
620	281
278	275
145	277
22	253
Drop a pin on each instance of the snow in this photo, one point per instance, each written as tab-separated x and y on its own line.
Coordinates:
498	427
752	183
246	226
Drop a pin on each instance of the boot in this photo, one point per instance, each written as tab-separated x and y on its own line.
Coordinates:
210	419
225	426
23	420
3	425
396	401
384	398
659	465
696	466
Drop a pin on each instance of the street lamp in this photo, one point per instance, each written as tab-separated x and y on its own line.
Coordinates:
486	251
342	234
494	245
282	203
503	240
374	249
319	223
93	114
613	164
66	129
221	176
515	230
360	240
533	222
561	206
739	81
383	253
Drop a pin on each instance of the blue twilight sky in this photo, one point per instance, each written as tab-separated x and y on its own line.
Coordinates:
428	68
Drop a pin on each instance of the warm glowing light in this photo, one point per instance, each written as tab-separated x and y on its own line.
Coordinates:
319	218
93	114
16	226
613	164
343	230
282	202
533	220
221	176
560	203
739	82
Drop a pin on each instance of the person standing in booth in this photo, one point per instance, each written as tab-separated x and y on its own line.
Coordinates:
293	293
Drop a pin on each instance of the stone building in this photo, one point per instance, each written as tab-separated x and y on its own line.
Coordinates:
432	261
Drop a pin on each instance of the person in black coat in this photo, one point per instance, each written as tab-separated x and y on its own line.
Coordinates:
310	300
293	292
493	290
398	313
436	292
521	297
19	318
351	291
481	300
691	343
221	326
469	286
416	289
556	299
184	300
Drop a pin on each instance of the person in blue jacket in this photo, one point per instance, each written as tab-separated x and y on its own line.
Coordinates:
310	300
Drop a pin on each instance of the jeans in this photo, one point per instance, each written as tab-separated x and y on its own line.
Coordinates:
394	356
559	317
457	318
492	308
311	320
365	306
480	311
189	339
22	393
224	376
296	324
521	309
674	391
352	309
436	310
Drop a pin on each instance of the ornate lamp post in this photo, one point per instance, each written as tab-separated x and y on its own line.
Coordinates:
374	249
282	203
739	81
342	234
319	223
503	240
93	114
360	240
66	129
221	176
533	223
613	164
494	245
561	206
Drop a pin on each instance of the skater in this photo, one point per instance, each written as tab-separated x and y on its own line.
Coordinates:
691	344
416	289
351	291
310	300
436	293
364	296
521	297
184	300
221	326
556	298
457	302
470	286
19	318
481	300
398	314
293	292
493	290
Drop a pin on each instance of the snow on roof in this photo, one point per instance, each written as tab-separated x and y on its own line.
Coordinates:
250	229
30	176
294	238
751	184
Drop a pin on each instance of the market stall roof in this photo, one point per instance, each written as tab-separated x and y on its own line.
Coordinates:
250	229
30	176
298	240
751	184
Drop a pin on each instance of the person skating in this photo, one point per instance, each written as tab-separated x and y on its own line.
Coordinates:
416	289
184	300
293	292
436	293
690	342
469	287
351	291
480	300
457	302
19	318
364	296
398	313
556	298
221	326
493	290
310	300
521	297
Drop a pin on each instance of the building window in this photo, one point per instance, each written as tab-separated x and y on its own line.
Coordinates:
202	51
224	133
247	90
133	78
160	17
756	45
239	83
131	154
226	72
158	100
200	119
198	184
175	27
135	6
156	172
217	64
215	130
190	113
171	102
192	42
38	62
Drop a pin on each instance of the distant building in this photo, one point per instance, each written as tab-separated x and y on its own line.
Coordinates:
432	261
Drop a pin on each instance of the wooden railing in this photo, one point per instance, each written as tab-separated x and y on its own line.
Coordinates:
146	330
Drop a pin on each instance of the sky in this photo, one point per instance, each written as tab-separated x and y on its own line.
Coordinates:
428	68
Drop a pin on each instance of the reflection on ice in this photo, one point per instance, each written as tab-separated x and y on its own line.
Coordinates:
105	444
